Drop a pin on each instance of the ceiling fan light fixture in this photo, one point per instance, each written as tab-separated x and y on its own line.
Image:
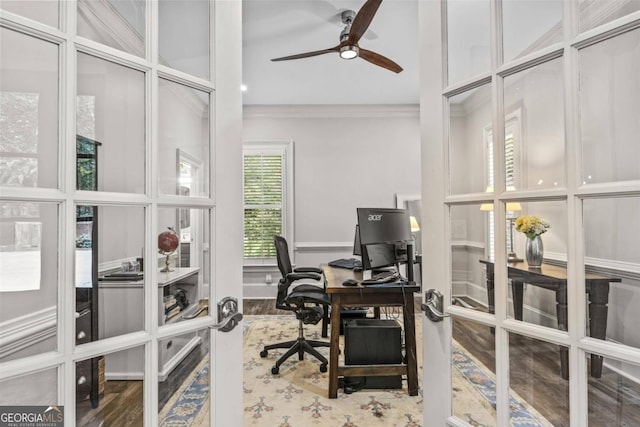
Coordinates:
349	52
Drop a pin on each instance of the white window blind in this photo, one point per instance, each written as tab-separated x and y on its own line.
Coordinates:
264	201
509	158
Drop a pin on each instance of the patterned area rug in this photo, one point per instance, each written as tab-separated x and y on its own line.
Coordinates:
189	404
296	397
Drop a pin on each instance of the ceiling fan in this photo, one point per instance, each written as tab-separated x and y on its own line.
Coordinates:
356	26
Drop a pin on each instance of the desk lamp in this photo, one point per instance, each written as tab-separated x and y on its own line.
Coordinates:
511	208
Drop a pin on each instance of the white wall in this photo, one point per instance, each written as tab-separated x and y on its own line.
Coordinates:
345	157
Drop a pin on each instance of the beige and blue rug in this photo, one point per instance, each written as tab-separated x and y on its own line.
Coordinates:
297	396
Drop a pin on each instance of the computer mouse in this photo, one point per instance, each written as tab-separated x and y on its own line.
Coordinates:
350	282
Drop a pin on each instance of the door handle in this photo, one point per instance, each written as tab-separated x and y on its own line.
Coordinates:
433	307
228	315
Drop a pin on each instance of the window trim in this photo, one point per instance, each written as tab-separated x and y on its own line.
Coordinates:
286	148
512	120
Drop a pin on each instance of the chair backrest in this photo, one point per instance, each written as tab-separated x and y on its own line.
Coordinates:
282	254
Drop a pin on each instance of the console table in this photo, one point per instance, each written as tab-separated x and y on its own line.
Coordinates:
554	278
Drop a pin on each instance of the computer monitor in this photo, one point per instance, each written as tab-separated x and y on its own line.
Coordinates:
387	233
383	225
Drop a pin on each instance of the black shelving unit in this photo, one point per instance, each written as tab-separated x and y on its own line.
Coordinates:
88	371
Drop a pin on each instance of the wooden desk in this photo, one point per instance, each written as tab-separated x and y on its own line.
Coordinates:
370	297
554	277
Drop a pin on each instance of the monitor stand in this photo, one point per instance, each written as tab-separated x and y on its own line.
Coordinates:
366	274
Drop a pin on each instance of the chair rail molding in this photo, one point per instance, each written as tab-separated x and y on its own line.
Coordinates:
22	332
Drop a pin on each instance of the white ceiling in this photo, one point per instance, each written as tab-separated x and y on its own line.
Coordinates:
275	28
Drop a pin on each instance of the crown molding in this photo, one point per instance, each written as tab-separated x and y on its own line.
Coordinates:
331	111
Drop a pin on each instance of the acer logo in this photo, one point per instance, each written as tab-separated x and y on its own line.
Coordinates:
373	217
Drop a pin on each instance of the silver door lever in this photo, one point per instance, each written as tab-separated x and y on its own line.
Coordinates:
433	307
228	315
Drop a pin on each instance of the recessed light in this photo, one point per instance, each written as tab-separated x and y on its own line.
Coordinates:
243	88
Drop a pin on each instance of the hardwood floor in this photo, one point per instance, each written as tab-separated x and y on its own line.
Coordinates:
534	367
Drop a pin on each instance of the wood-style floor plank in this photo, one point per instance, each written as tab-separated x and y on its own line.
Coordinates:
534	369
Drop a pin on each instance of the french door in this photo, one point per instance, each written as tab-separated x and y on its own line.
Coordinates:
118	120
530	115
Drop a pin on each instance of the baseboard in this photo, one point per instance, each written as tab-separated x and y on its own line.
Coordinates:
178	357
259	290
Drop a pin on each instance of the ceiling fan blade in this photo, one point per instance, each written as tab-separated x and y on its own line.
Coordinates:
308	54
379	60
362	20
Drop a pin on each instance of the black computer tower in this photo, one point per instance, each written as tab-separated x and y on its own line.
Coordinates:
373	342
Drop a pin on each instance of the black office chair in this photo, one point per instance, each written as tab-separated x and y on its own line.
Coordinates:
307	301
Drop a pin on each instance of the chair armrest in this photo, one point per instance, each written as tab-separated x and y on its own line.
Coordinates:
298	276
308	270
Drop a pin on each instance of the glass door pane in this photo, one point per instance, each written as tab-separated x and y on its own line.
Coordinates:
45	11
612	260
183	390
468	39
610	81
470	140
538	395
184	144
110	111
530	25
29	114
29	267
535	96
613	398
594	13
184	269
473	372
112	395
40	388
119	24
184	40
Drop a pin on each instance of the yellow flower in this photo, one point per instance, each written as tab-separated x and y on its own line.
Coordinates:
531	225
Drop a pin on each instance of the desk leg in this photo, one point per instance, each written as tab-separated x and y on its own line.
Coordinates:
410	342
335	346
517	290
561	312
598	311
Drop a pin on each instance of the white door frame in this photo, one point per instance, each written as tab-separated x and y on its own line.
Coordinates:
436	204
224	202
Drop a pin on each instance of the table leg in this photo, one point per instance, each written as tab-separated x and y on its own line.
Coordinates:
410	343
517	291
598	311
561	312
490	290
491	293
335	346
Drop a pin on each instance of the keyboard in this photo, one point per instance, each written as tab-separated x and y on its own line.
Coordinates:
351	263
384	277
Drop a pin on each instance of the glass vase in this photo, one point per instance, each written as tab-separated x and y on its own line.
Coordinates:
534	251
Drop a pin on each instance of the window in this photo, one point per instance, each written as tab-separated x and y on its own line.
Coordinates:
268	199
512	133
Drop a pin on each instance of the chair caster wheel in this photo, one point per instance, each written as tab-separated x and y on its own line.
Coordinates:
275	370
323	368
263	353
